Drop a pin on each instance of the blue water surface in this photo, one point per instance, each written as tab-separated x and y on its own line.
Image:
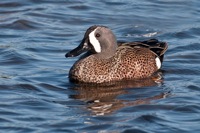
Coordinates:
36	95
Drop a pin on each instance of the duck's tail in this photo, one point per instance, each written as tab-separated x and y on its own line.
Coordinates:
157	47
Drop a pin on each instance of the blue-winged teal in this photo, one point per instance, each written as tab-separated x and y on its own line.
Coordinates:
108	60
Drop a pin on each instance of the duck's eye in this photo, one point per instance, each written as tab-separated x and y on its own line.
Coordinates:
97	35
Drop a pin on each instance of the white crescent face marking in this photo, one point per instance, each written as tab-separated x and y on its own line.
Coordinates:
94	42
158	62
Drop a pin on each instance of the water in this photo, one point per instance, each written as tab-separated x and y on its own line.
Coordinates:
36	96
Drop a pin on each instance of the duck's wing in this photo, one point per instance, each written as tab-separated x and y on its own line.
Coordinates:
157	47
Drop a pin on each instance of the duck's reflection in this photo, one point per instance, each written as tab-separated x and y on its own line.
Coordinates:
103	99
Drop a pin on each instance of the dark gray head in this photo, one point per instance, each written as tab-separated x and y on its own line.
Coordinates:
99	40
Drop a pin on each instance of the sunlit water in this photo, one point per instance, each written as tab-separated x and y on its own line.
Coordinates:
36	96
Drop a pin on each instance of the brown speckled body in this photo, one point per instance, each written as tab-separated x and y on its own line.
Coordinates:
127	63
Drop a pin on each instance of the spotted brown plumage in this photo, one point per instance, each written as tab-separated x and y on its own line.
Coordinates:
111	61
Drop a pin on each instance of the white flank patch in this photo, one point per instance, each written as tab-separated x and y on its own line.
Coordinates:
95	42
158	62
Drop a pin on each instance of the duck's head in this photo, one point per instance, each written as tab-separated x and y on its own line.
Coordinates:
99	40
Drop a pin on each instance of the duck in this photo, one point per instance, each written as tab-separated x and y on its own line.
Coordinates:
107	60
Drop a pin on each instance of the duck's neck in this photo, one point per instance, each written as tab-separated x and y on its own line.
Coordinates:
107	52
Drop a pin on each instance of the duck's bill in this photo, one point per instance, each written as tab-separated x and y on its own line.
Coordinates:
83	47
